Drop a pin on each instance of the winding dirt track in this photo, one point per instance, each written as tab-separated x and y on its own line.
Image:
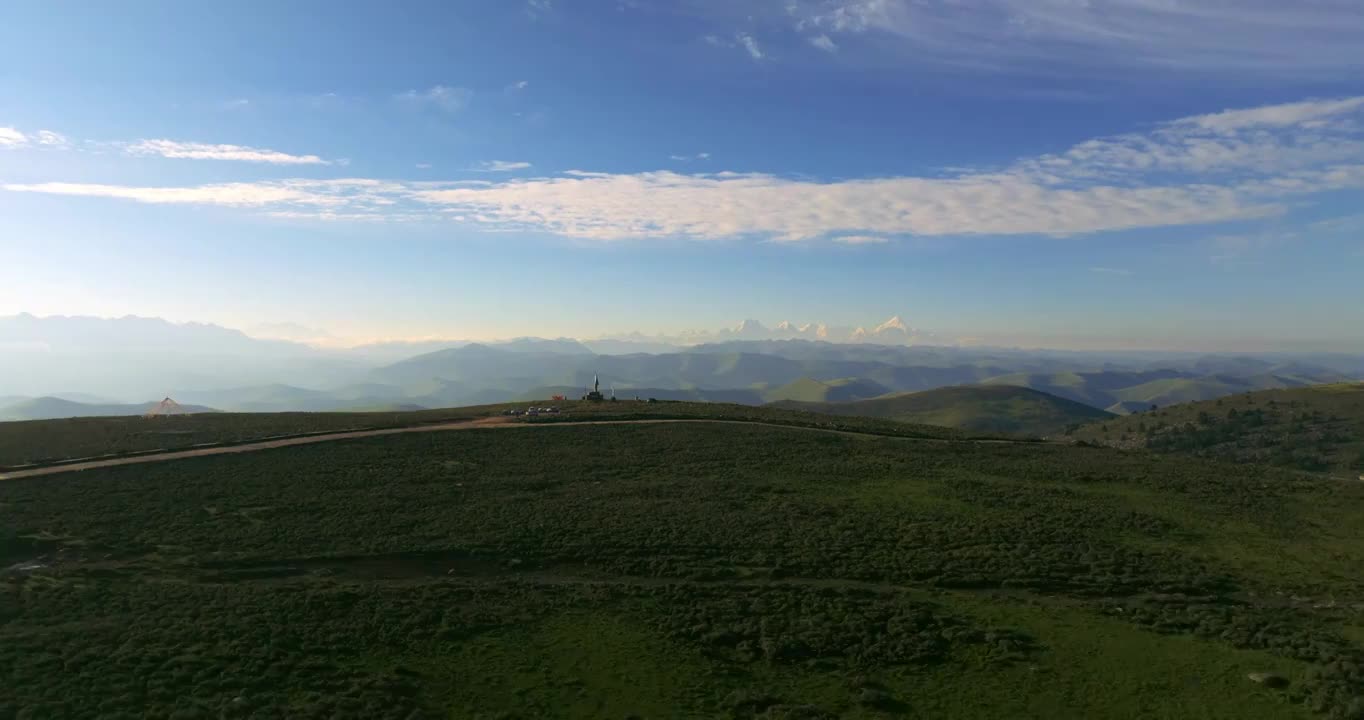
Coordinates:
481	423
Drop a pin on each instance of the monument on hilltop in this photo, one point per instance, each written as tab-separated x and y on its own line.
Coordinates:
595	395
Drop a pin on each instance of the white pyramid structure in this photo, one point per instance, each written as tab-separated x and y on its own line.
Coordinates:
166	407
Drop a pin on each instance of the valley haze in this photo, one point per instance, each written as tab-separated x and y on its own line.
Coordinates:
47	369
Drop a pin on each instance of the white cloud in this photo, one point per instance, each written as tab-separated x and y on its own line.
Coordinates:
346	194
1309	112
423	166
1184	172
750	45
861	240
665	204
51	139
743	40
230	194
689	158
441	97
1179	173
519	85
1271	37
1276	138
823	42
10	137
502	166
204	151
236	104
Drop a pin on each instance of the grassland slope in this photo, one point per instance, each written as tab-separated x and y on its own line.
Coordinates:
1316	428
49	441
694	570
979	408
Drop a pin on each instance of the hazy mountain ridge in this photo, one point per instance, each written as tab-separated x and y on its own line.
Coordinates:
51	408
802	371
93	359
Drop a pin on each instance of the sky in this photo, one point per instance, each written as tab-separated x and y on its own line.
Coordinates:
1184	174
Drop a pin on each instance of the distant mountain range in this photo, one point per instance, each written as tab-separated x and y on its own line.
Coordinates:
48	408
117	361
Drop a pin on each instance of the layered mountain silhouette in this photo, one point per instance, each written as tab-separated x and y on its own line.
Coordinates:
110	363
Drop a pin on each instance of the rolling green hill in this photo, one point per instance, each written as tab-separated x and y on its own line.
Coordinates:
1317	428
1002	408
41	442
1096	389
680	570
1122	392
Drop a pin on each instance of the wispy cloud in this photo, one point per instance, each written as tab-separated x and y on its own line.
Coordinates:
1309	113
721	205
237	104
47	138
229	194
1247	164
439	97
12	138
823	42
742	40
1270	139
1346	223
518	86
203	151
537	9
750	45
861	240
1247	249
689	158
1110	271
1303	37
324	101
502	166
343	194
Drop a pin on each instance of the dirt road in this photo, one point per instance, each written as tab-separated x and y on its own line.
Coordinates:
497	422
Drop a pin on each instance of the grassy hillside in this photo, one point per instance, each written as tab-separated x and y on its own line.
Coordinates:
1317	428
49	441
43	441
1003	408
1124	392
1096	389
1183	390
680	571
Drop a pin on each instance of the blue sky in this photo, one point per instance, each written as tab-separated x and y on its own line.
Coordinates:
1128	173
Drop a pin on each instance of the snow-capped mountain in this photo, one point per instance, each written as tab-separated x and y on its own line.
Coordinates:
749	330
